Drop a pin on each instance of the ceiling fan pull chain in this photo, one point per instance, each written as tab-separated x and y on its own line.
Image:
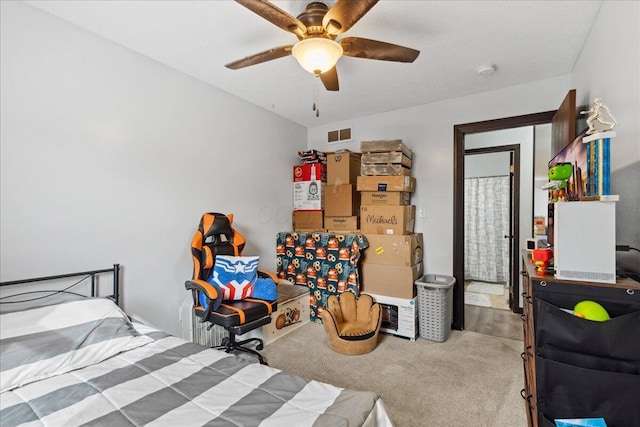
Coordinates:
316	106
315	91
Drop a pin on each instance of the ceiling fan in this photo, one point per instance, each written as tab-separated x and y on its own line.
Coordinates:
317	27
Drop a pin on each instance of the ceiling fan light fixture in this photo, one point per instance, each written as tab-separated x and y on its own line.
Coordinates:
317	55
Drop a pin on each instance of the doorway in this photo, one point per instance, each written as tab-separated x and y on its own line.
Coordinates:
492	224
460	131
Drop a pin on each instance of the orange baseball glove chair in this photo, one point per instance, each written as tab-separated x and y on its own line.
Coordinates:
216	236
351	324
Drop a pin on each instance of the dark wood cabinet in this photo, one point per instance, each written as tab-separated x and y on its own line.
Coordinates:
576	368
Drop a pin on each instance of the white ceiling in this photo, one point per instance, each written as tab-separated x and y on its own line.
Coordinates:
526	40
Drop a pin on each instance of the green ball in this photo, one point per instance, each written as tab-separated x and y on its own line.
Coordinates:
591	310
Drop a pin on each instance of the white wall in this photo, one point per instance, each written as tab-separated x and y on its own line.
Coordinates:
428	131
609	67
489	164
109	157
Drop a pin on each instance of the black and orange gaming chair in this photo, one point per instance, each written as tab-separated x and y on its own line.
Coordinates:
216	236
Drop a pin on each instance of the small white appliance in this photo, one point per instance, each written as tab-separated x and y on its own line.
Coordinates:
399	316
584	241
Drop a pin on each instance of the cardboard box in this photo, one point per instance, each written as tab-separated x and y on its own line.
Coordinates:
310	172
349	231
384	145
308	195
343	168
390	280
399	316
386	163
385	249
341	200
307	220
341	223
292	312
387	183
387	219
387	157
388	169
385	198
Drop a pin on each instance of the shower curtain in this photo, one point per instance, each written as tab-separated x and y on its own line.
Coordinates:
486	214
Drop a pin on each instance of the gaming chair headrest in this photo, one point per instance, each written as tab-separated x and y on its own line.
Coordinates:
215	236
216	228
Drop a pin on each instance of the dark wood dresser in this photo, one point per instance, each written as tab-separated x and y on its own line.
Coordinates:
576	368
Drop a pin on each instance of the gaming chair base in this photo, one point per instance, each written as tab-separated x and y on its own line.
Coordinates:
230	344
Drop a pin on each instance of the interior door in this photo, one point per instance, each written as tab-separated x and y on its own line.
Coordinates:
513	259
563	124
503	160
459	132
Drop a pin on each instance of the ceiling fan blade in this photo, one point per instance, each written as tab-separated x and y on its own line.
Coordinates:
330	79
373	49
267	55
344	14
275	15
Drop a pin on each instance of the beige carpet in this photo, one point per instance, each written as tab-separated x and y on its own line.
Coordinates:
469	380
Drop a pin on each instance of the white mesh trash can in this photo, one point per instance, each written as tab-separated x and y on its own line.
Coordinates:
435	306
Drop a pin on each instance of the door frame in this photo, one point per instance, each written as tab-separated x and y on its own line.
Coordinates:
459	132
514	212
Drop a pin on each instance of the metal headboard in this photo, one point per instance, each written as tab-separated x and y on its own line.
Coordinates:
115	270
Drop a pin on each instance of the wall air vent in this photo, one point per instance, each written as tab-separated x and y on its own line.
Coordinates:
340	135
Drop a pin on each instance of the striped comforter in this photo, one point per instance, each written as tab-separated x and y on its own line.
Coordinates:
161	380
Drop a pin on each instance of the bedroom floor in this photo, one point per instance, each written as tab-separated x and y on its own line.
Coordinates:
469	380
493	321
487	310
486	294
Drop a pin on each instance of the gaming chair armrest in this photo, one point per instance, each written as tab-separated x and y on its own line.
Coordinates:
269	274
205	287
211	293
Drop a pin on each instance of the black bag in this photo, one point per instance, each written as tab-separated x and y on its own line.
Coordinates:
587	369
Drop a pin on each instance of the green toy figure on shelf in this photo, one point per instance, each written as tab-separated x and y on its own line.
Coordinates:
558	178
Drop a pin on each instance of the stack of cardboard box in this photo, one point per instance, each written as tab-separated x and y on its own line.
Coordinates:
342	200
393	260
309	181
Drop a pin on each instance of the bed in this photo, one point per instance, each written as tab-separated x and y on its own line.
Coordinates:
83	362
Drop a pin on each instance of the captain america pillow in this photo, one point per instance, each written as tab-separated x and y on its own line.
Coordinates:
235	276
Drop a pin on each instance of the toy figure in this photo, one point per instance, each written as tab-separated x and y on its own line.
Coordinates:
541	258
558	177
596	113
